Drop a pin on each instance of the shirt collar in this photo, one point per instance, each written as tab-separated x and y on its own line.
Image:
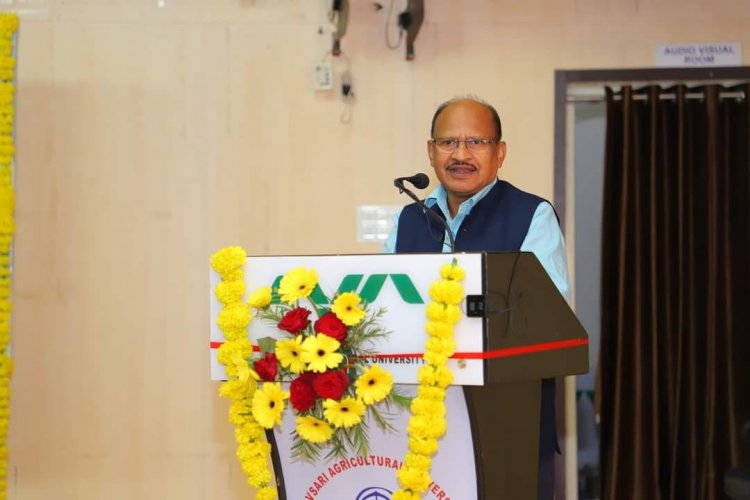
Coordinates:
440	196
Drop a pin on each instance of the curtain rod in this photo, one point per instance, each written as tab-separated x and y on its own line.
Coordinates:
640	97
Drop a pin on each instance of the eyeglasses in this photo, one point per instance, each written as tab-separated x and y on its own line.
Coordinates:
450	144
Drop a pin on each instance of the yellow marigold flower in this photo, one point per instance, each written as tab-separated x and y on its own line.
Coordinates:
447	292
374	385
347	308
250	429
439	329
423	445
266	493
427	426
289	354
449	314
320	353
260	298
228	350
268	404
452	272
345	413
233	317
236	389
416	480
228	292
445	346
240	412
257	472
435	358
247	432
313	429
228	260
297	284
421	406
417	461
440	376
249	450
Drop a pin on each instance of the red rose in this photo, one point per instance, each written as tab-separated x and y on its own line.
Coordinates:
331	385
295	320
266	367
301	394
329	324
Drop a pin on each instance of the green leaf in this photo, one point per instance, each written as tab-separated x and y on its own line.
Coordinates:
267	344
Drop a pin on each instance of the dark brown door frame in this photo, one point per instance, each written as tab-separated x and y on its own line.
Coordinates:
563	78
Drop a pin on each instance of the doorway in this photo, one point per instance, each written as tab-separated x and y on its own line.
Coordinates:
580	124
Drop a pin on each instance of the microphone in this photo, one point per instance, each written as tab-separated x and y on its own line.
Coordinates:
421	181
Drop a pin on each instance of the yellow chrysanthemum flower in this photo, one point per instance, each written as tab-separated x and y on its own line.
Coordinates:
374	385
289	354
258	475
347	308
228	350
268	404
449	314
241	413
423	445
417	461
227	261
250	450
416	480
297	284
440	376
435	358
427	426
232	318
249	431
446	346
345	413
228	292
266	493
319	352
447	292
422	406
439	329
260	298
313	429
452	272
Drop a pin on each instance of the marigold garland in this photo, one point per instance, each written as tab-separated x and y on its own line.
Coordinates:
241	386
427	423
8	28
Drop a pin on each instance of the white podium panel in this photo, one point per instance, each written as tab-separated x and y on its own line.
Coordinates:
400	284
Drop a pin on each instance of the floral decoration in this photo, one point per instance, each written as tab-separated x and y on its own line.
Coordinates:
321	351
317	362
427	423
241	386
8	29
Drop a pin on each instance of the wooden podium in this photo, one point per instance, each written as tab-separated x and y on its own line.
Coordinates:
536	336
518	331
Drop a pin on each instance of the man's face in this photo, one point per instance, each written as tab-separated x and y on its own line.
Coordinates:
463	172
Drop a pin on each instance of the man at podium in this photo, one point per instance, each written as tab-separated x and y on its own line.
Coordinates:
485	214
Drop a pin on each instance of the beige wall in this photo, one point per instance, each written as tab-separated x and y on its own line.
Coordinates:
150	137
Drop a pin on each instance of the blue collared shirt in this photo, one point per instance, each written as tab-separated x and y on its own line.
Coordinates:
544	238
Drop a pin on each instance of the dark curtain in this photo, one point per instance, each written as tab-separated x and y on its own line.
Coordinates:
675	338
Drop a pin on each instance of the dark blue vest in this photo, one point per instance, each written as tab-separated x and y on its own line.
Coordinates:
499	222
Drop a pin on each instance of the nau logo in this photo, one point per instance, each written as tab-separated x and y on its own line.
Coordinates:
369	290
374	493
